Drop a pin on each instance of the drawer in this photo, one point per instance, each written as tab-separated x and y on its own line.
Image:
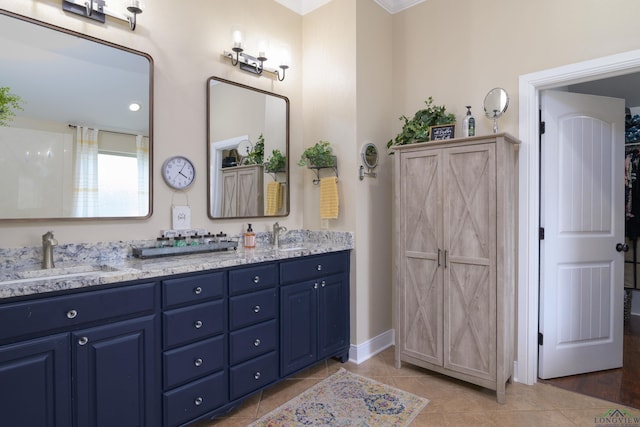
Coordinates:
253	341
193	289
194	399
252	278
245	310
193	361
253	375
307	268
69	311
183	325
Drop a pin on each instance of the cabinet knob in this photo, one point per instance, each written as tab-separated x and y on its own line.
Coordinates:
83	341
71	314
257	342
323	283
257	375
319	267
315	285
198	401
198	362
256	279
198	324
197	290
256	309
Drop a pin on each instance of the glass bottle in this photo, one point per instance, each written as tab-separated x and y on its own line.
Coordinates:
468	124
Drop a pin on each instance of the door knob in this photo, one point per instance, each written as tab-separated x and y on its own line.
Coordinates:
622	247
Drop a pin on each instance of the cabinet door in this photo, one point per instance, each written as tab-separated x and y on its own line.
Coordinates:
35	386
298	326
333	316
469	273
421	284
229	193
249	196
116	380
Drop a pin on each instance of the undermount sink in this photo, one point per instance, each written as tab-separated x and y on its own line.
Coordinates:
291	249
55	273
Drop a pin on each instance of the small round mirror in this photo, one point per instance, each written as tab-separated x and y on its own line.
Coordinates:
495	105
370	155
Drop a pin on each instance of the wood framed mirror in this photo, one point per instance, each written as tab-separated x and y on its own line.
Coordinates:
247	151
75	149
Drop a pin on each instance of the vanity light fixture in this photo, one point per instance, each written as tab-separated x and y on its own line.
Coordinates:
250	63
98	10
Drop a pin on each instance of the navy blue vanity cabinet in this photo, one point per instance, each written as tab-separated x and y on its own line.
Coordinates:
35	382
112	370
194	361
253	328
68	360
314	311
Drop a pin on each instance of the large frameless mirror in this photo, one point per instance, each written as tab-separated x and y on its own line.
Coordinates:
248	149
79	143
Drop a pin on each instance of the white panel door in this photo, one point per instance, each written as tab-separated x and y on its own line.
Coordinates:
582	213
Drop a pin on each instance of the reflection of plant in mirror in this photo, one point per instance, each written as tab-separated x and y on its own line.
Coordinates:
256	156
417	129
9	102
320	155
276	163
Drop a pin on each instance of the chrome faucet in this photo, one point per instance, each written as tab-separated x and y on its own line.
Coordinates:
276	234
48	242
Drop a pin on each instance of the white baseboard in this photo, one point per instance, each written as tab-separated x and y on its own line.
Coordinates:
359	353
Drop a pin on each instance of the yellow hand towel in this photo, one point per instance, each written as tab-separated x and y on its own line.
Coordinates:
274	198
329	198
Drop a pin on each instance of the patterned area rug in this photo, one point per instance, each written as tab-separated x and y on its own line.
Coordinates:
346	399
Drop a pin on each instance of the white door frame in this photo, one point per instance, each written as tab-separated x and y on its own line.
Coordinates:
530	85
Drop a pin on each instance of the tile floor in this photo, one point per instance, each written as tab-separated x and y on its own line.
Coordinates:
452	402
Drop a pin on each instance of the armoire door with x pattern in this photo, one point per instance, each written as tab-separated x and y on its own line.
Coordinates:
469	267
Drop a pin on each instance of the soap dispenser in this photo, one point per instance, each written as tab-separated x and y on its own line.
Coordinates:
469	123
249	238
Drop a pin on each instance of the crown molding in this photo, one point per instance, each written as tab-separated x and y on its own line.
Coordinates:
395	6
302	7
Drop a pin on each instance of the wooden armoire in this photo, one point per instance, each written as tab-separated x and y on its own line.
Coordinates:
456	253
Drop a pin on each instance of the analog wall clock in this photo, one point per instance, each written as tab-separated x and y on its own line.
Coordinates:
178	172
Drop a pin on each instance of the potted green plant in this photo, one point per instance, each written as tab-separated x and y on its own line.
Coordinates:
9	102
277	162
256	156
319	155
417	128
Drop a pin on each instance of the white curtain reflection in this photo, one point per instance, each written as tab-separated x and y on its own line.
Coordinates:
142	154
85	180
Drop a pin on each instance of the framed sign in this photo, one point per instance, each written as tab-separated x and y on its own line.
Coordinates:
437	133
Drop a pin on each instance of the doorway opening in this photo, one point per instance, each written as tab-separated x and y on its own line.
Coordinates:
531	86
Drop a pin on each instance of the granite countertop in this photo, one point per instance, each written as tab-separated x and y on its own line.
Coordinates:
112	263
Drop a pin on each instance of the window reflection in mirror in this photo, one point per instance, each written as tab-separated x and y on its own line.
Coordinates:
75	94
248	147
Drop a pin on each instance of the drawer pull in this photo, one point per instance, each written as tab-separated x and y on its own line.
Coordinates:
319	267
198	401
71	314
198	362
323	283
257	375
256	279
83	341
197	290
198	324
256	309
257	342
